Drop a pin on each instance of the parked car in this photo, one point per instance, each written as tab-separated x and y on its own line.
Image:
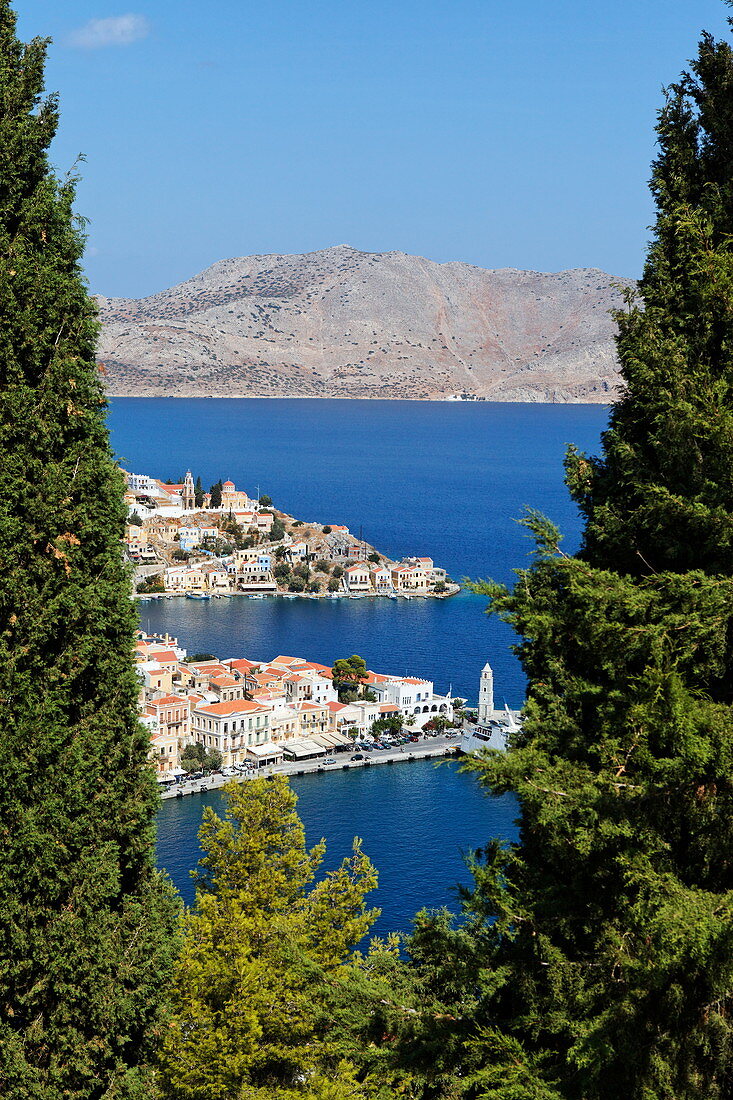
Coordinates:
358	756
330	760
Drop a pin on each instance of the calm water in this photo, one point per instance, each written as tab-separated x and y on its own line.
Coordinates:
415	821
448	480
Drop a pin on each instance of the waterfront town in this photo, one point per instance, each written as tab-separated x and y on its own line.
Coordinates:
184	541
243	713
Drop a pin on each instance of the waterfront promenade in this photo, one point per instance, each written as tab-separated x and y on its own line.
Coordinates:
424	749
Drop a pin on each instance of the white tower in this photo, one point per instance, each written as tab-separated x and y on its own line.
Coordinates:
486	695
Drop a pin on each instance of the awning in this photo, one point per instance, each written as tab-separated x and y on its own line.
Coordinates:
301	750
331	740
263	753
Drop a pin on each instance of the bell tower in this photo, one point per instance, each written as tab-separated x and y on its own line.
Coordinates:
188	494
486	695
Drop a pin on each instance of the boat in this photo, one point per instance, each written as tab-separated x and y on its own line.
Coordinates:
483	737
491	735
198	596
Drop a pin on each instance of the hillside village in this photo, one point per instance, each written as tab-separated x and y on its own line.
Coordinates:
253	713
199	544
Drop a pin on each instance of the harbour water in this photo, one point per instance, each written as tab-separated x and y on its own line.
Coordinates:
415	821
449	480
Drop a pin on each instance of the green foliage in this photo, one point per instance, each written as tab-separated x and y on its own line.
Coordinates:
333	585
374	557
215	494
282	571
181	555
440	588
606	952
195	756
322	566
337	572
438	722
277	531
198	493
266	501
392	723
153	583
302	571
135	519
327	530
196	657
266	951
297	584
348	675
86	922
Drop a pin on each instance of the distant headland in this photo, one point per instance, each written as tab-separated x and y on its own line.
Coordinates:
350	324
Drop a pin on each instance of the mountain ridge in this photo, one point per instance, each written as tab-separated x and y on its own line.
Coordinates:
338	322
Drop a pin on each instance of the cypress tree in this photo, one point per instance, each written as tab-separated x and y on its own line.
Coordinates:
598	955
215	493
85	921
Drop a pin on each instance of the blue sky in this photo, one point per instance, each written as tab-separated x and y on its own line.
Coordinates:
504	134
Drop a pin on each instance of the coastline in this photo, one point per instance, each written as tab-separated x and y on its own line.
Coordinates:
436	748
435	399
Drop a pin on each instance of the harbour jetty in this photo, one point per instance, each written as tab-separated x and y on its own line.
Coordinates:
426	748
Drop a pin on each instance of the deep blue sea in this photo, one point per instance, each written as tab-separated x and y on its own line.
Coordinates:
448	480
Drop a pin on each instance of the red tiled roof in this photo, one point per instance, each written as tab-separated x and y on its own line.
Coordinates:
242	664
169	701
162	656
234	706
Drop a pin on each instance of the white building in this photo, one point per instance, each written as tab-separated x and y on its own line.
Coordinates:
143	484
416	698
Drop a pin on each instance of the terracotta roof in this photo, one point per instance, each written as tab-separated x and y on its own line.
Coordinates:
386	707
242	664
168	701
234	706
224	681
376	678
162	655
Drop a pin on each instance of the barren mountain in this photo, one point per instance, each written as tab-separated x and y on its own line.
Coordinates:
344	323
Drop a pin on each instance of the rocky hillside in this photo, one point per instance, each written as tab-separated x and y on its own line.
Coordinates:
344	323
